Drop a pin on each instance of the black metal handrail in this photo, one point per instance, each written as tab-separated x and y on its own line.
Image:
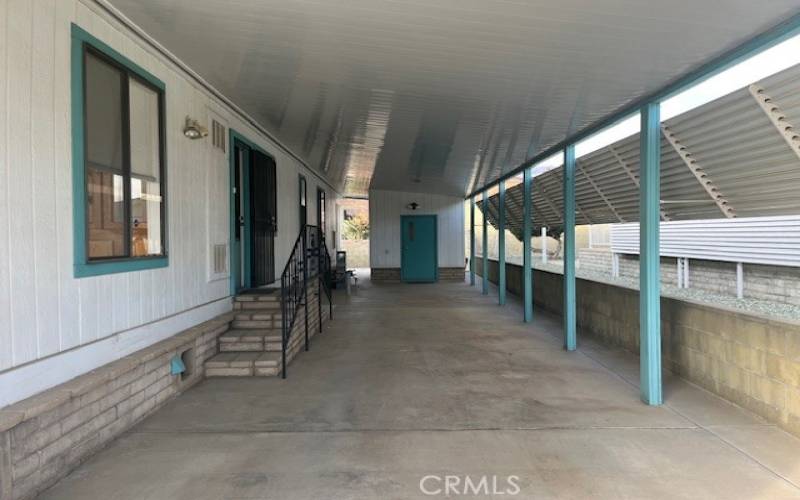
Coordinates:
308	260
325	280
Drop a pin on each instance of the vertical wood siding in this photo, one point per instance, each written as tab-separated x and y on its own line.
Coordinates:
385	209
44	309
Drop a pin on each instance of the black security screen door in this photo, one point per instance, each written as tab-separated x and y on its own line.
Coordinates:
263	209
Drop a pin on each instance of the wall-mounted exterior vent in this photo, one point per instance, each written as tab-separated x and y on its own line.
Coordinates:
220	258
218	135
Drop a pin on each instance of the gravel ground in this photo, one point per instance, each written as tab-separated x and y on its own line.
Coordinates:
758	307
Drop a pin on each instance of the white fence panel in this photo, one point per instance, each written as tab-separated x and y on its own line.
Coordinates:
755	240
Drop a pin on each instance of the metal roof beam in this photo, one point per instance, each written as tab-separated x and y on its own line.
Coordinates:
548	201
699	174
625	167
598	190
777	117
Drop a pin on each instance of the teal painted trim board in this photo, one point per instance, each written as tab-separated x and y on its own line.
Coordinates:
527	269
82	266
501	246
82	35
485	237
770	38
649	262
236	249
570	314
472	241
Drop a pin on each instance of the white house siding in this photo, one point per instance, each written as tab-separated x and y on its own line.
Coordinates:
385	209
52	326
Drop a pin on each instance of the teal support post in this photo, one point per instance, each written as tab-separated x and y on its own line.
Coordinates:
472	241
501	245
485	201
527	270
570	315
649	261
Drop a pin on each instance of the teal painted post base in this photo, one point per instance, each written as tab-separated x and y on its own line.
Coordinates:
570	316
649	262
472	241
527	270
485	236
501	245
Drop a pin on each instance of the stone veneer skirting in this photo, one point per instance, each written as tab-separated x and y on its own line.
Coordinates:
451	274
393	274
749	360
44	437
384	274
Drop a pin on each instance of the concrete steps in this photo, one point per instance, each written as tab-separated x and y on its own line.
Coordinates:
252	346
244	364
250	340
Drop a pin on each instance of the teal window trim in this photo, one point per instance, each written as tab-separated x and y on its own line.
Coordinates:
82	266
234	253
777	34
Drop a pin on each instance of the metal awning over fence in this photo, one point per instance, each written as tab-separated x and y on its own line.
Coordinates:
737	156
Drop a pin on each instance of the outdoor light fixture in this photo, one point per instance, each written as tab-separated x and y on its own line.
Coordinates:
193	130
413	205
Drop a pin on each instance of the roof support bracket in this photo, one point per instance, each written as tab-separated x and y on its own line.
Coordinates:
624	165
699	174
598	190
777	117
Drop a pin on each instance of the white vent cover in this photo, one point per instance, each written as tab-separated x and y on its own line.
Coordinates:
220	258
218	135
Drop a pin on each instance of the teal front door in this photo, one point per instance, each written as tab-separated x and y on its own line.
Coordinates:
419	259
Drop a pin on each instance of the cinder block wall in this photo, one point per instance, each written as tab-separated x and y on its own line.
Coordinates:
746	359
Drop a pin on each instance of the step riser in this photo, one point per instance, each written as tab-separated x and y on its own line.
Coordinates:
229	372
243	372
258	317
240	346
257	306
255	325
249	347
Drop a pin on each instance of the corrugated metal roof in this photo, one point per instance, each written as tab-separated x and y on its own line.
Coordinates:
738	152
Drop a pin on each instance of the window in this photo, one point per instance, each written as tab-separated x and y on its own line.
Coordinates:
321	211
118	161
303	203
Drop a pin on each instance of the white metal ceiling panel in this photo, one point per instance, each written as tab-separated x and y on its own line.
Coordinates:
440	96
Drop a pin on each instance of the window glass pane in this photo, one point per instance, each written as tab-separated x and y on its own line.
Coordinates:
103	114
145	171
104	182
106	209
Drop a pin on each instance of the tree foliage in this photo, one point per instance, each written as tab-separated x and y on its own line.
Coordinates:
356	228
